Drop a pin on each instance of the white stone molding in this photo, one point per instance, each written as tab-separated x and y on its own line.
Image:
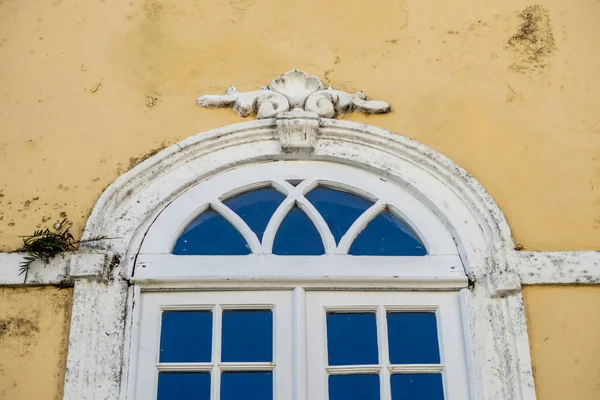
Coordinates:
501	359
297	130
96	340
63	269
292	90
557	268
89	266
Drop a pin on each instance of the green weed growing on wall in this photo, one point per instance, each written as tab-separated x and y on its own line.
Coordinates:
46	243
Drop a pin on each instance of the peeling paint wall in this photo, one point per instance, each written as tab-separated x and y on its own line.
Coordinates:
564	332
34	332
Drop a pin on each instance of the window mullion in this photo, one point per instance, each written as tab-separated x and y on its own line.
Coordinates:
215	392
299	343
385	385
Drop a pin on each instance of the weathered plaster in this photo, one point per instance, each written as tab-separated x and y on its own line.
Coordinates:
559	268
34	331
124	76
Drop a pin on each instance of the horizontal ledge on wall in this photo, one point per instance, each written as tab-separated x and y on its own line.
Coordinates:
557	268
59	270
534	268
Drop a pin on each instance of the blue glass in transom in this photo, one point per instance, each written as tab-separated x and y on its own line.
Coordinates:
210	234
339	209
247	336
297	236
417	387
186	336
354	387
387	235
413	338
184	386
352	338
247	386
256	207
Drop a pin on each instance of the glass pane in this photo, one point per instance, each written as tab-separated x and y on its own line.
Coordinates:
352	338
354	387
387	235
339	209
210	234
256	207
417	387
413	338
186	336
297	236
183	386
247	386
247	336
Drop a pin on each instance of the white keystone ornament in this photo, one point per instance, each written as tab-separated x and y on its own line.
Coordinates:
294	90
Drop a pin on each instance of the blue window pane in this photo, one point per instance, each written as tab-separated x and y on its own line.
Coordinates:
247	386
413	338
186	336
354	387
417	387
210	234
387	235
339	209
256	207
183	386
297	236
352	338
247	336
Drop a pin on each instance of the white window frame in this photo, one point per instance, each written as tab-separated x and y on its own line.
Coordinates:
441	268
148	338
100	343
446	306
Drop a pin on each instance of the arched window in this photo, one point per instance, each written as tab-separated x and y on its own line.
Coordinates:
301	258
304	276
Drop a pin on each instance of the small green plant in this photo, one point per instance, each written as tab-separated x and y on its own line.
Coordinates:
45	244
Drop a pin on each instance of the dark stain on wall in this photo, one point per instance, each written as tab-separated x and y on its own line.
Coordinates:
533	45
18	327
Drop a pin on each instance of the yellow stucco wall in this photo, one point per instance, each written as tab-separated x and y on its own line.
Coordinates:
564	333
88	87
507	89
34	332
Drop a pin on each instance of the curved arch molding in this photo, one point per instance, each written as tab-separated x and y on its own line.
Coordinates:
494	319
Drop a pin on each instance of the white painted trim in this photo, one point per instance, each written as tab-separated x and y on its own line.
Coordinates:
299	340
427	272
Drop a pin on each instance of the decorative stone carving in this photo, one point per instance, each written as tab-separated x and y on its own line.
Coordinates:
292	90
297	130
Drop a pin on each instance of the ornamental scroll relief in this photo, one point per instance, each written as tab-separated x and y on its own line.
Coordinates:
294	90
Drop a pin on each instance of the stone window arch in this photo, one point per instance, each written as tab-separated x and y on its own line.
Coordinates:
139	207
